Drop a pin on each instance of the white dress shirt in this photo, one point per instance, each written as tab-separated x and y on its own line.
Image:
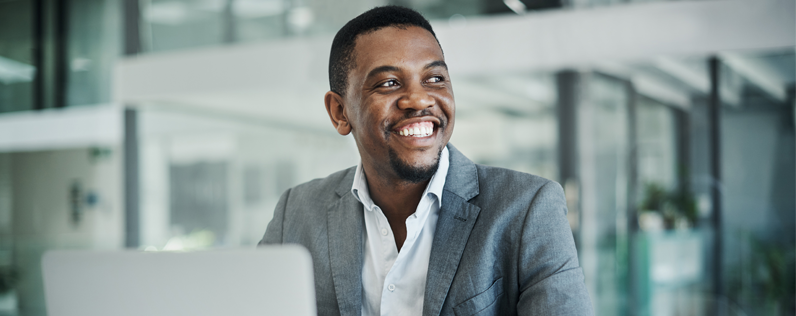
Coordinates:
394	283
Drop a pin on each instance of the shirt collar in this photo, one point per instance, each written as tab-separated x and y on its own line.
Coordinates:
360	187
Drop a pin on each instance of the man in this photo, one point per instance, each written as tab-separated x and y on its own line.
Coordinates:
417	228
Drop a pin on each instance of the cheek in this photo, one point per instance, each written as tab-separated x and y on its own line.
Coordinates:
448	106
368	127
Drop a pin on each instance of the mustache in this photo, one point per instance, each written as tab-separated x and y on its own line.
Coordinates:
412	114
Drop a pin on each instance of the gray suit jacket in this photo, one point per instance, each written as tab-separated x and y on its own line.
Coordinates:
502	245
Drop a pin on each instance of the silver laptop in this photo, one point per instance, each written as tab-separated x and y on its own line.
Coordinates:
275	280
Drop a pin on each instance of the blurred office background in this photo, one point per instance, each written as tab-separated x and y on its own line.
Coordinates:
176	125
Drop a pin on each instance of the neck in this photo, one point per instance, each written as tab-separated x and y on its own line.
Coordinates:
396	197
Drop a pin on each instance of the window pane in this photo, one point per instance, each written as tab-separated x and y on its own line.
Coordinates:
16	56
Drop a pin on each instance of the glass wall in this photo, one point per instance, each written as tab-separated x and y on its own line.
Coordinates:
17	68
57	53
94	46
757	164
213	181
508	120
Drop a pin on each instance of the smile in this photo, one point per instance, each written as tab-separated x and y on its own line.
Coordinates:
420	129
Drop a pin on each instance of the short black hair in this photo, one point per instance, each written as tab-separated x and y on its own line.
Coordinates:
342	57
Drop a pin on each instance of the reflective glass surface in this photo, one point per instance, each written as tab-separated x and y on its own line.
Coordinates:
16	56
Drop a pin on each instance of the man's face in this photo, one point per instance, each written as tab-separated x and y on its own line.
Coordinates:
399	102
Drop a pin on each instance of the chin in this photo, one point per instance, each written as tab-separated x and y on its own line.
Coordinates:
414	172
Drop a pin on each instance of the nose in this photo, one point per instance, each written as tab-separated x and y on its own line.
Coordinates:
416	98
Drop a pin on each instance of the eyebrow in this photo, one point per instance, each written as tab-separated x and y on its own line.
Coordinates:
382	69
438	63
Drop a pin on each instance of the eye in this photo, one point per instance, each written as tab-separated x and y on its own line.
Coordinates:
435	79
389	83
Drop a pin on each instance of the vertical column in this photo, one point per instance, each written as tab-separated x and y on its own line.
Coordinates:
683	129
131	180
576	169
632	172
714	121
132	30
62	9
228	23
568	83
634	293
132	212
38	53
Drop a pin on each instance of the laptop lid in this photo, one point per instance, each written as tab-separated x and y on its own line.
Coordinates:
271	280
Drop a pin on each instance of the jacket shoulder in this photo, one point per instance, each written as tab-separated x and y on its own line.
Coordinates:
320	190
500	179
512	192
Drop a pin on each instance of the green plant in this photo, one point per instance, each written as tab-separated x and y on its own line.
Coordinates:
685	202
671	205
763	279
654	197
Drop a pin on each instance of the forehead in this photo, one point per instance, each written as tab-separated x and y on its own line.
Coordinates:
394	46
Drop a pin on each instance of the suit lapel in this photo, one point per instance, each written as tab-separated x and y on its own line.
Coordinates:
456	219
346	221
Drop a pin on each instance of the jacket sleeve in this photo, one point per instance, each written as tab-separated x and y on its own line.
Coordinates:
551	280
273	234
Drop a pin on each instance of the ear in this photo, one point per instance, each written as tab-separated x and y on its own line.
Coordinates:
336	110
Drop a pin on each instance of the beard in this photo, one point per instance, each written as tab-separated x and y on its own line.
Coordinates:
413	174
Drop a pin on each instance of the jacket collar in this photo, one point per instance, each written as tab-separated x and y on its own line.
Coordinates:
457	217
462	177
345	222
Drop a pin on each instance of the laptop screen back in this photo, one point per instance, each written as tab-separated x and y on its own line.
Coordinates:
275	280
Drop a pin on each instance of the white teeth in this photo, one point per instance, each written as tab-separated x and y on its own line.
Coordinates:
419	131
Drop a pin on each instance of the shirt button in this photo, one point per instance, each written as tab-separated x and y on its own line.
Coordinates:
391	287
384	231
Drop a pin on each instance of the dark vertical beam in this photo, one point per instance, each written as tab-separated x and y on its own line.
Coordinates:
131	180
38	53
632	172
568	83
633	291
61	84
229	34
287	5
714	117
132	30
132	217
683	137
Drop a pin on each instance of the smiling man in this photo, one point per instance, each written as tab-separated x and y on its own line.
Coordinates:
417	228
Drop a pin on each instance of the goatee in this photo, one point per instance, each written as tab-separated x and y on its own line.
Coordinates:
413	174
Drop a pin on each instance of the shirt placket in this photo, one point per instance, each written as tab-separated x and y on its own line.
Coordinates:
412	230
389	257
